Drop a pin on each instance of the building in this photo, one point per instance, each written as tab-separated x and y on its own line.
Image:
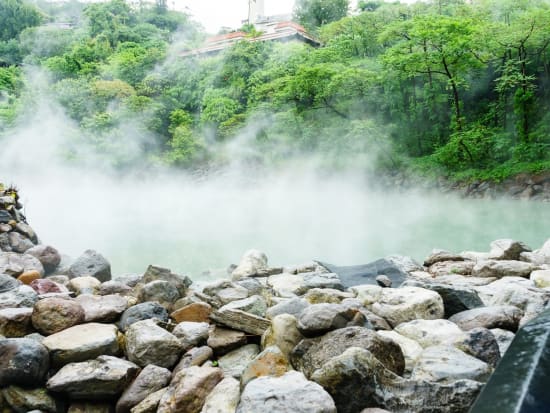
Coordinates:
271	28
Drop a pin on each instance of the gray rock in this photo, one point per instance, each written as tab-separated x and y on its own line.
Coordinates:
114	287
384	281
23	400
293	306
235	362
8	283
320	280
19	243
283	333
191	334
197	356
507	249
147	343
151	379
163	292
224	398
252	263
504	339
447	364
506	317
23	361
481	343
456	298
143	311
310	354
287	285
327	296
451	267
82	342
15	322
48	256
20	297
27	231
188	390
318	319
90	407
411	349
253	285
4	242
91	264
280	394
502	268
253	305
15	264
223	340
392	392
150	403
103	309
441	255
52	315
398	305
432	332
102	378
180	282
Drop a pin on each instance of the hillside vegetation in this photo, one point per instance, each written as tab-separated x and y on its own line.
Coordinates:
445	87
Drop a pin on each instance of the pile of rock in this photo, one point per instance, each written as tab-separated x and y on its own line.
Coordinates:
264	339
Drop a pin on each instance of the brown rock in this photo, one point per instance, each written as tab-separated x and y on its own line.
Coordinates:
15	322
270	362
223	340
189	389
194	357
104	309
47	255
241	320
29	276
52	315
197	312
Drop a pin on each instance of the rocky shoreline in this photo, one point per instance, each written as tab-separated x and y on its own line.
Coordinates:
76	338
534	187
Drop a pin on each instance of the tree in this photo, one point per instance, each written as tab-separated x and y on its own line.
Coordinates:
16	16
316	13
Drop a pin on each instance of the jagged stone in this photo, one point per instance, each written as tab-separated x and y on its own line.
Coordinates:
310	354
240	320
48	256
52	315
252	263
441	255
451	267
502	268
253	305
142	311
151	379
191	334
23	400
21	297
235	362
283	333
293	306
195	312
19	243
102	378
481	343
15	264
147	343
103	309
318	319
411	349
224	398
91	264
161	291
150	403
82	342
506	317
223	340
270	362
15	322
279	394
180	282
197	356
23	361
507	249
188	391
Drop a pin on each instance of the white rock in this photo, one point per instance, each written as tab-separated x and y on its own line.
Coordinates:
286	285
503	268
399	305
541	278
252	262
410	348
431	332
368	294
224	398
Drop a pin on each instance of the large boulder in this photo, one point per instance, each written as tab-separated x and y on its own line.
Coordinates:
23	400
431	332
506	317
399	305
147	343
447	364
83	342
290	393
252	263
23	361
310	354
318	319
102	309
91	264
15	264
102	378
224	398
52	315
380	387
48	256
502	268
188	390
143	311
15	322
151	379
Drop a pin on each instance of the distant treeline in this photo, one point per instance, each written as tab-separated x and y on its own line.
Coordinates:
451	87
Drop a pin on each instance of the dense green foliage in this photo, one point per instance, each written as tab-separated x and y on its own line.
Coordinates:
443	87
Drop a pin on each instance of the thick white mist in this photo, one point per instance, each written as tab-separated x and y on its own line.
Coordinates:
296	212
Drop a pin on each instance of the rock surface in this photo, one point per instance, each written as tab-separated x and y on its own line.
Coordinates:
23	361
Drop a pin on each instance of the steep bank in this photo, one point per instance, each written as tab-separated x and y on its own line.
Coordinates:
262	338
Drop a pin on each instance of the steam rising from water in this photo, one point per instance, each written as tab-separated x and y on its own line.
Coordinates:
296	212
